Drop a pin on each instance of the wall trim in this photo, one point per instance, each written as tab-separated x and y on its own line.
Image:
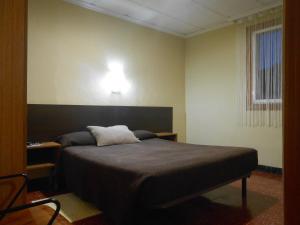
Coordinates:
269	169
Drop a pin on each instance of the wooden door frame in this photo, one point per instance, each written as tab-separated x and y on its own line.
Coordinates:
13	104
291	128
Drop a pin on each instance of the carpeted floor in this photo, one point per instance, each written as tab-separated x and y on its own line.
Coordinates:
220	207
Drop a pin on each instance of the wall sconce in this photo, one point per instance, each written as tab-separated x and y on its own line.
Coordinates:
115	81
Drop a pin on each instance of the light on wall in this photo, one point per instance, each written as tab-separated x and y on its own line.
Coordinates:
115	81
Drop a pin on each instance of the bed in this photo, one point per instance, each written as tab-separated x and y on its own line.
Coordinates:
122	180
125	180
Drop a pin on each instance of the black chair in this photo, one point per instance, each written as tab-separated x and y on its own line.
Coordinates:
9	209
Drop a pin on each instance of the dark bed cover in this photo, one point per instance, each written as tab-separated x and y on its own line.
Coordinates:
119	179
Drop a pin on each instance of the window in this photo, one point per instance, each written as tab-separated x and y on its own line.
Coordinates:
267	61
260	64
265	67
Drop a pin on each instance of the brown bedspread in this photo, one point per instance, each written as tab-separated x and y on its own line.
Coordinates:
121	178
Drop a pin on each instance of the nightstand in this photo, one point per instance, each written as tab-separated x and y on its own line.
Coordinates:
167	136
41	160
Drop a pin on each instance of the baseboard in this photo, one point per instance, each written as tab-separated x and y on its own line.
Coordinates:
269	169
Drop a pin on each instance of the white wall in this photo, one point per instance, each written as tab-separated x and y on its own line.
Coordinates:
211	98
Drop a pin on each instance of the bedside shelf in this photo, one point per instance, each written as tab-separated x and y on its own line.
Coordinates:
41	160
40	170
44	145
40	166
167	136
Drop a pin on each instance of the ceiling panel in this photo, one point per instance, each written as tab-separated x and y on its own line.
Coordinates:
267	2
174	25
125	8
186	11
179	17
230	7
236	8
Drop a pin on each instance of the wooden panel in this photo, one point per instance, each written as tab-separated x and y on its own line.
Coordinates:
45	122
13	20
292	113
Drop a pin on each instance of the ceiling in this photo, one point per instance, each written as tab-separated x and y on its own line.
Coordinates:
183	18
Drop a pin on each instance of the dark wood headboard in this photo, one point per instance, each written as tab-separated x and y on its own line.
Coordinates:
45	122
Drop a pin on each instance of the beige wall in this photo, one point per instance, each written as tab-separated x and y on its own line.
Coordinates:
211	98
69	48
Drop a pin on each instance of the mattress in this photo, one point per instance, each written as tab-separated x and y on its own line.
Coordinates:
121	179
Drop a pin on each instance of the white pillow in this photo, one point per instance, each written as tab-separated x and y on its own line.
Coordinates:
119	134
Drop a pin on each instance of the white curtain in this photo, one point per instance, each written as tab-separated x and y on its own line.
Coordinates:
260	69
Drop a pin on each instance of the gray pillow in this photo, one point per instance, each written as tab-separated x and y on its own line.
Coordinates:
77	138
144	134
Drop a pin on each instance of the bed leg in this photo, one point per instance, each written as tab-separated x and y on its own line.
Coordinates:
244	188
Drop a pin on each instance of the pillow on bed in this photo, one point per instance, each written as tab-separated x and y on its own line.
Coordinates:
77	138
144	134
119	134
